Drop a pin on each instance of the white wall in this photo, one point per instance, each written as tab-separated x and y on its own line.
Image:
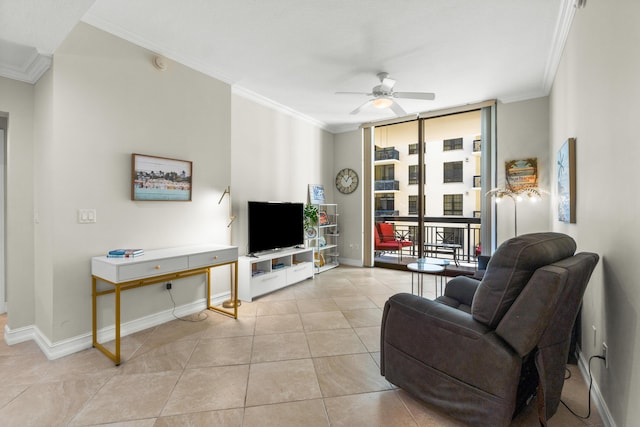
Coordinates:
274	157
102	101
348	153
595	99
523	132
17	101
70	140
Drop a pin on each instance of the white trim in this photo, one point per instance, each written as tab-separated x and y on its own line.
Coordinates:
560	35
190	62
30	71
259	99
82	342
603	409
3	288
118	31
351	262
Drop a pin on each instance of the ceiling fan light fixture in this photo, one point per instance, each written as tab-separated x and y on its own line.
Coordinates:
382	102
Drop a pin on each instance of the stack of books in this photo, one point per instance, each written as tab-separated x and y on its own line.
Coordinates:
125	253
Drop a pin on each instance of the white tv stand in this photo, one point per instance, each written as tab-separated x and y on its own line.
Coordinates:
264	273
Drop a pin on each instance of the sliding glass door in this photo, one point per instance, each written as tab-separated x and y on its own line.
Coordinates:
429	183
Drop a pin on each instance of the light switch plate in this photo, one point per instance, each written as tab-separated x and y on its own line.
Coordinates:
86	216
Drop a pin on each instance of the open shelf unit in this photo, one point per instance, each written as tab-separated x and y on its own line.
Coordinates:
259	275
325	241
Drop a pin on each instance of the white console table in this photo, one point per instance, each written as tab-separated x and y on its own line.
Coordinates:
156	266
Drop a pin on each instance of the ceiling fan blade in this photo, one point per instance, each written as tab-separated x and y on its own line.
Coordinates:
354	93
398	109
415	95
357	110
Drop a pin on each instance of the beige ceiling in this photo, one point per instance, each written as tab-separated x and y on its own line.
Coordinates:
295	54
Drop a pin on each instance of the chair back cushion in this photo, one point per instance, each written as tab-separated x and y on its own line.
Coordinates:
386	232
511	267
376	235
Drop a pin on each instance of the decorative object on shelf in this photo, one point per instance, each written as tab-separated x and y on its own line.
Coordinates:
160	178
323	218
567	181
310	220
347	181
322	241
316	194
531	193
318	259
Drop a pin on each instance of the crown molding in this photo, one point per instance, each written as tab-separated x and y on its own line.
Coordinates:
29	70
560	35
262	100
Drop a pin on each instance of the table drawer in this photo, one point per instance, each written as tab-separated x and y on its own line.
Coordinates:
152	268
213	258
268	282
299	272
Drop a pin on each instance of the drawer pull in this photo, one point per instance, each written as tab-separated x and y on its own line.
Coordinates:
157	267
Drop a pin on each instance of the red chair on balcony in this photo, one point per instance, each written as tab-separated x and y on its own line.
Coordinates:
386	239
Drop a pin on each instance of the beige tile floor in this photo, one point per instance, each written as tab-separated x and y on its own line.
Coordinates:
304	356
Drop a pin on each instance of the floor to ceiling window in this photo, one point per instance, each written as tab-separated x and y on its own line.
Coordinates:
428	183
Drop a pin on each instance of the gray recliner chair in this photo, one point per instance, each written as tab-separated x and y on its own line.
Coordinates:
482	350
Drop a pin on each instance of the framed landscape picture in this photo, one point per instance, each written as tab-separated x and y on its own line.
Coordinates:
160	178
566	174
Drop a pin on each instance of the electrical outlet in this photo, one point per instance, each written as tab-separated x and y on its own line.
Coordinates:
605	354
168	285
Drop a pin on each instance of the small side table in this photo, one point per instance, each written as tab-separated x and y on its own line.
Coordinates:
425	269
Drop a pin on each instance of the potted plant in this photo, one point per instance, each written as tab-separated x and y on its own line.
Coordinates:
310	219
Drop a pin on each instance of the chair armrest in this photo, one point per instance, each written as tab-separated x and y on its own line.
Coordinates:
462	289
448	340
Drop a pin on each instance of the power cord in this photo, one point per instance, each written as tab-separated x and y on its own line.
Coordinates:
185	319
590	385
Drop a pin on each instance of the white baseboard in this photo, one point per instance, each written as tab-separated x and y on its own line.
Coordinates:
81	342
599	401
351	262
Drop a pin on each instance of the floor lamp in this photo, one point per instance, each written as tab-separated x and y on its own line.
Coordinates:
517	195
230	302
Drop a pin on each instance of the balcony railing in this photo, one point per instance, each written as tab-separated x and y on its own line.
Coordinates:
387	154
386	185
381	213
461	231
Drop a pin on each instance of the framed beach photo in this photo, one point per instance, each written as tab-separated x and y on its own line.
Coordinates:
160	178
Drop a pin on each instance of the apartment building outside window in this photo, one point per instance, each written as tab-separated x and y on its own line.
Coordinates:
413	205
452	144
413	174
452	204
452	172
413	148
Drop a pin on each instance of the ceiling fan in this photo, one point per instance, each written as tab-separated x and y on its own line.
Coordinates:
383	95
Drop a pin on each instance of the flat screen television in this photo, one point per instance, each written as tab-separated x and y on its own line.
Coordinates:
275	225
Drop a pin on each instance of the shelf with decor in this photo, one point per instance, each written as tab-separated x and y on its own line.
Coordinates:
265	273
323	238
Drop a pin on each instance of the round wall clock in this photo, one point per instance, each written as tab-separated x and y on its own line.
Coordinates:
347	181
